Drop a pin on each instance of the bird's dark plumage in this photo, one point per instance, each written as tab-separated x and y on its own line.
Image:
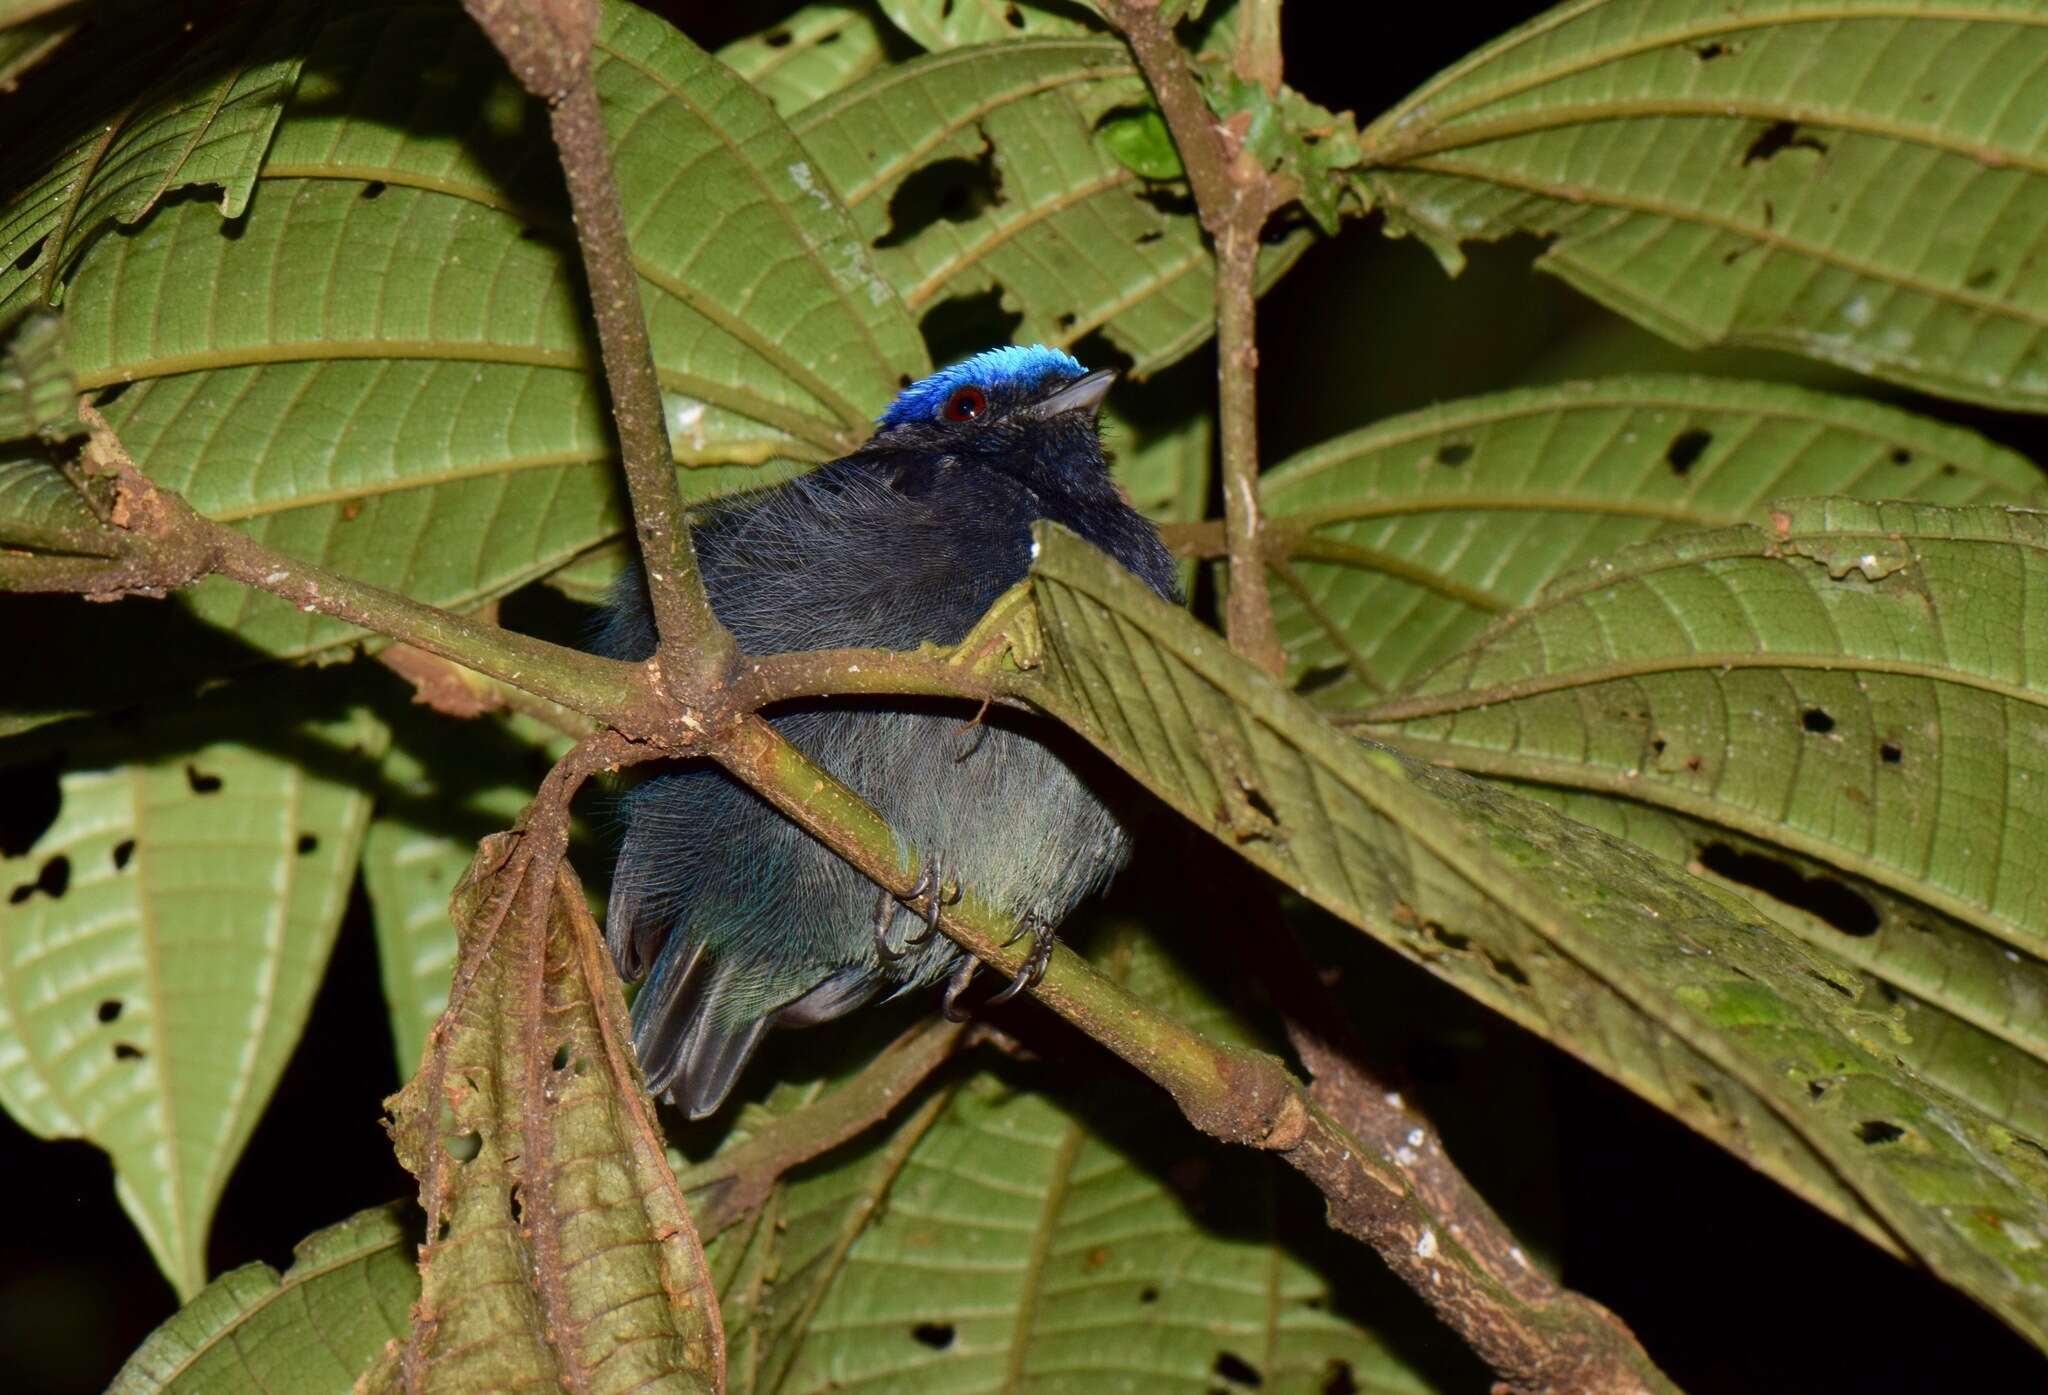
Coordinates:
739	920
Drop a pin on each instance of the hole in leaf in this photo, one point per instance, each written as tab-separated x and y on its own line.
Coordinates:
777	38
1949	470
109	1009
1012	18
1148	1294
1822	896
111	394
1449	939
374	189
1875	1131
1321	676
1777	138
53	879
441	1231
125	1052
1816	1088
1817	721
1453	453
307	843
964	324
28	259
1150	235
124	853
1338	1380
1509	970
1237	1370
1173	202
1657	746
1066	321
936	1335
1890	753
30	799
1901	456
562	1056
1707	53
1686	448
1980	279
200	781
956	190
463	1147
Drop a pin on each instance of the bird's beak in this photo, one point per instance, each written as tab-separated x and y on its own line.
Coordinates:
1081	395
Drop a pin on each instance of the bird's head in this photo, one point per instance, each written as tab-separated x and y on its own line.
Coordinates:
1026	410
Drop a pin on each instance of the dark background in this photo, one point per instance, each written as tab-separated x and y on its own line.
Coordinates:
1732	1284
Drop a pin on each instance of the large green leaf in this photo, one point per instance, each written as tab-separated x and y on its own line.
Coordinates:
812	54
1407	539
977	171
1033	1239
162	942
1673	987
1854	179
311	1330
383	365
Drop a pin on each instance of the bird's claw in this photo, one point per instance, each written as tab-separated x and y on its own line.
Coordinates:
956	985
930	885
1032	969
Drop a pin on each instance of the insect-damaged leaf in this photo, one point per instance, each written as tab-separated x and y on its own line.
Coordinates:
559	1251
1673	987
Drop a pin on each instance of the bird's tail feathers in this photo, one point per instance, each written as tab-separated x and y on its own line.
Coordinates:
694	1035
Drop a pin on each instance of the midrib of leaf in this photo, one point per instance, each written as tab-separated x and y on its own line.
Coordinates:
199	134
1709	810
1345	554
1554	118
998	234
492	469
1579	196
165	1099
813	117
1041	1248
850	414
1671	37
877	1184
53	244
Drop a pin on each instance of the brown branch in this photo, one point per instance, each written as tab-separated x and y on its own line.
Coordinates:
546	43
1241	1097
739	1180
1234	195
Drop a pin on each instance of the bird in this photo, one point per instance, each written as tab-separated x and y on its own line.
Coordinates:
739	921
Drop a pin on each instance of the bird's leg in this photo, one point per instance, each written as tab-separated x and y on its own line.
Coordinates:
1043	938
975	727
930	884
955	986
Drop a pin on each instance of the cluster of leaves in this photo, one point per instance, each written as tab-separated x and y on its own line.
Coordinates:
1625	642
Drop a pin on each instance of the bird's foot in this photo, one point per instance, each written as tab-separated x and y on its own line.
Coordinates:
931	886
1043	938
955	986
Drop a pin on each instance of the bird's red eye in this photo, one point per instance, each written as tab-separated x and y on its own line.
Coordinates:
966	404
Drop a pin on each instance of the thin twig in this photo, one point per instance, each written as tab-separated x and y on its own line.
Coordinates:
546	43
1234	196
738	1181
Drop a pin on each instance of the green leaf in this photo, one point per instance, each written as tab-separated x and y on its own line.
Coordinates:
1290	135
310	1330
975	173
812	54
1674	988
1139	139
1034	1236
1850	179
207	123
964	22
162	943
1407	539
1966	1007
383	366
37	396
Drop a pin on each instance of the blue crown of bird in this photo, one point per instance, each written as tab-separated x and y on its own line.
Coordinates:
734	919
